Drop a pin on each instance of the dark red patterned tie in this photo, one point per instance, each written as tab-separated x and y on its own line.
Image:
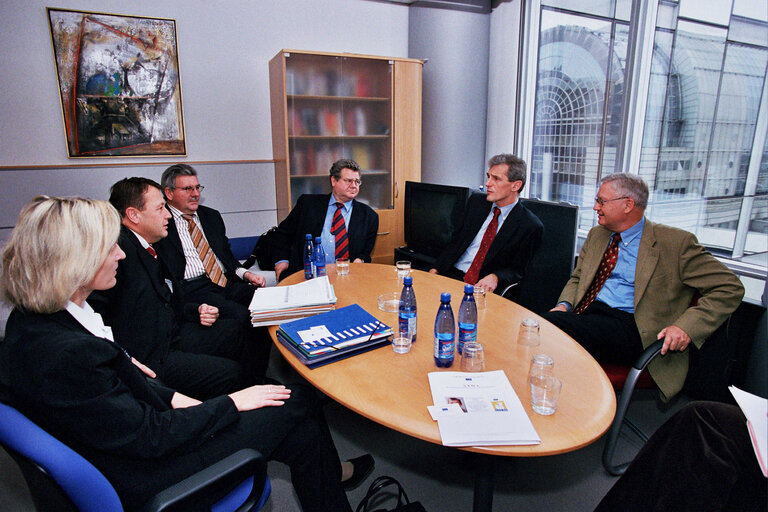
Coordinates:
474	269
607	265
151	251
339	231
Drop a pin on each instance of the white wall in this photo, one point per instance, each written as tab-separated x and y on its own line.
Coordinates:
224	48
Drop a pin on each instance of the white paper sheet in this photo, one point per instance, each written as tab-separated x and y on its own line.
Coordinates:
756	411
492	412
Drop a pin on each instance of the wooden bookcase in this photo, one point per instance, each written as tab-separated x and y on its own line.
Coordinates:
327	106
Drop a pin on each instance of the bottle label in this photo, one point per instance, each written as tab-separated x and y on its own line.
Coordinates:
320	270
467	334
407	323
444	346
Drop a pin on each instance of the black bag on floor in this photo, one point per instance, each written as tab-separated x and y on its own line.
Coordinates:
376	492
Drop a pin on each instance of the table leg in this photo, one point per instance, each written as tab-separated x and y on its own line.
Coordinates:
484	473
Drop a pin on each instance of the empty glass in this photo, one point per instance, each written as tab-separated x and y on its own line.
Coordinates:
541	365
342	267
403	269
545	393
472	357
480	297
401	343
529	332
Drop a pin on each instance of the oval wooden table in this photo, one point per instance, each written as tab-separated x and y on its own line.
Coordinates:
364	383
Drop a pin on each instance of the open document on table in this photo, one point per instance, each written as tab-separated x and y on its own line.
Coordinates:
479	409
278	304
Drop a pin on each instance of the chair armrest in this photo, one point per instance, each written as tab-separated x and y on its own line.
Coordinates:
507	292
214	482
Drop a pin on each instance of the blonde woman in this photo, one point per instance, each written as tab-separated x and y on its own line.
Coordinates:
60	367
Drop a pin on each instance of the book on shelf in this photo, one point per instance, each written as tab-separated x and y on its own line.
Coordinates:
334	335
278	304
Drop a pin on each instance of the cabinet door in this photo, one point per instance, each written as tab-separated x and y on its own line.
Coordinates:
339	107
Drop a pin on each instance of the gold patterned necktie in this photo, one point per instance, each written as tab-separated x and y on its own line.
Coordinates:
212	268
607	265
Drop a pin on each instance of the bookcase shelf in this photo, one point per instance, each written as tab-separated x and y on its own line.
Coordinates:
327	106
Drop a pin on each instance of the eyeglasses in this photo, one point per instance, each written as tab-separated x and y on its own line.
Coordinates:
602	202
199	188
351	181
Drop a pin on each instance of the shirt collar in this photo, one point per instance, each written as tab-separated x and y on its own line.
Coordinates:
346	206
90	319
141	239
177	214
505	209
628	235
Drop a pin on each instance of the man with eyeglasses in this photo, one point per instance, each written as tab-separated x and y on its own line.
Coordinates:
197	253
497	236
346	226
634	283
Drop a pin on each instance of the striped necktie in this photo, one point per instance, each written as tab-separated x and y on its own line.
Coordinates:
212	268
339	231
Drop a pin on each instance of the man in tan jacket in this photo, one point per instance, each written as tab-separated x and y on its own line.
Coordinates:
634	283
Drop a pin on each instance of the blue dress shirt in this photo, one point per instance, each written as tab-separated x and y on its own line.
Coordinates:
465	261
619	289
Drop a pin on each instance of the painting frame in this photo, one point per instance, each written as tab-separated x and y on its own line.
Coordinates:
119	84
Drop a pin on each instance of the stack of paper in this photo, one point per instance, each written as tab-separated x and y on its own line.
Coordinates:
275	305
334	335
479	409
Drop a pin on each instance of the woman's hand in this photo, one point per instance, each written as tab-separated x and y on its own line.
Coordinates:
256	397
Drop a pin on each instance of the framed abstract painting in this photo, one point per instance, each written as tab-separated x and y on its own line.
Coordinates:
119	82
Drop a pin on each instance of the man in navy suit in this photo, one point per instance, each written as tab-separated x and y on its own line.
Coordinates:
315	214
198	256
498	235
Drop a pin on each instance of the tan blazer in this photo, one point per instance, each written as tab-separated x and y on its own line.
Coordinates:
671	266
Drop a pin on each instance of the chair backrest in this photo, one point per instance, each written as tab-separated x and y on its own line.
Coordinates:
82	483
552	264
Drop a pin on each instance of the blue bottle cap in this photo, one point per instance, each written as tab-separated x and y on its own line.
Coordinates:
468	288
317	239
445	297
308	236
408	280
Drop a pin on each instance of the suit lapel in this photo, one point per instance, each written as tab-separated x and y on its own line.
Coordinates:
591	260
173	236
647	258
151	266
505	233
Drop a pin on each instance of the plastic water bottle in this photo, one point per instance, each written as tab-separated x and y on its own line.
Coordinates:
445	333
319	258
407	312
467	318
309	264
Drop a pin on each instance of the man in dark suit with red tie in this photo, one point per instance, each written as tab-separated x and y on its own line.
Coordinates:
346	226
187	344
497	236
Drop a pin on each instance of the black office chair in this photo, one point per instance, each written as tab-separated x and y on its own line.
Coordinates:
551	266
626	385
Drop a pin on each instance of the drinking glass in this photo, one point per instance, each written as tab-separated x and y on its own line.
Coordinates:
541	365
401	343
473	357
480	298
403	270
545	393
342	267
529	332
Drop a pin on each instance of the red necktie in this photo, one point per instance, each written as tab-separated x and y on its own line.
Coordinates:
339	231
607	265
151	251
473	273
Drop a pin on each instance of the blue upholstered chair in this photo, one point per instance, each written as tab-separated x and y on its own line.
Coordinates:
60	479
